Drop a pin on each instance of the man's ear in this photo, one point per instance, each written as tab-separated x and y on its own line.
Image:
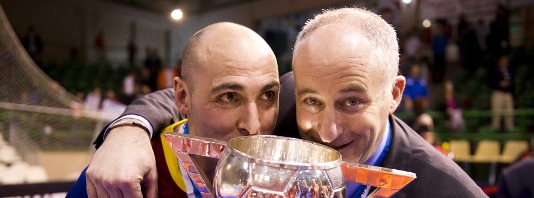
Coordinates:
396	92
181	95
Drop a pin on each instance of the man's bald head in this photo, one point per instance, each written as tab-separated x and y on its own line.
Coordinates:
230	85
218	42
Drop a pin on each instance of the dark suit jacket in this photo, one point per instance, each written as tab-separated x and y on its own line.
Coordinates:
437	176
158	108
517	180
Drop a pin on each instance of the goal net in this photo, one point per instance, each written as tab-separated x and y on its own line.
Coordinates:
36	113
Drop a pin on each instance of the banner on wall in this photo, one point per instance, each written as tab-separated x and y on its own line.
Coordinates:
451	8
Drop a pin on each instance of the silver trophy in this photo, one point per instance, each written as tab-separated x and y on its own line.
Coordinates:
272	166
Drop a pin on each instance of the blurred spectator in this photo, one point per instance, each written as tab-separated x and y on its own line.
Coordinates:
498	39
128	83
449	105
482	31
153	64
100	47
112	104
143	90
92	100
128	88
462	27
166	78
110	98
77	105
424	126
439	45
470	50
31	98
411	50
143	80
501	83
516	180
132	52
33	44
415	92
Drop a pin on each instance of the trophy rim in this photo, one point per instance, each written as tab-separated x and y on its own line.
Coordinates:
281	164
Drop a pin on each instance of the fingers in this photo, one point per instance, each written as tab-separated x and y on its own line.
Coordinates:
113	174
150	184
114	190
101	192
95	190
132	189
91	190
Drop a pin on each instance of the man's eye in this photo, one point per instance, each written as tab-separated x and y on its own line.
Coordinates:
312	101
269	95
227	97
351	102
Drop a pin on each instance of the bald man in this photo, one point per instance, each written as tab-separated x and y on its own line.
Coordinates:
229	88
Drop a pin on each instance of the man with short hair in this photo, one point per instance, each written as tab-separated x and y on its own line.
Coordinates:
229	88
345	90
345	64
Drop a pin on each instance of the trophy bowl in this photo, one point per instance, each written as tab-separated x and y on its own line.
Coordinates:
267	166
274	166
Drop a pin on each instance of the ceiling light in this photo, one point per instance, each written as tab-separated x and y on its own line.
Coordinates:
406	1
426	23
177	14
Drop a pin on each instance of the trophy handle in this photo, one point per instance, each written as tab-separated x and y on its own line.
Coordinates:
184	145
387	181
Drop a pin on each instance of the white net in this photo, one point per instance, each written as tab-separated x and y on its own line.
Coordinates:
36	113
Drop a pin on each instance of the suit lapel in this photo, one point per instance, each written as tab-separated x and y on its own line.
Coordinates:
399	155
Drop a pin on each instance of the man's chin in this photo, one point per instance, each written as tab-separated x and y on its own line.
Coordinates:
351	154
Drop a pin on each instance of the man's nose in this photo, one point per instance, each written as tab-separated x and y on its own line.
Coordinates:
329	129
249	124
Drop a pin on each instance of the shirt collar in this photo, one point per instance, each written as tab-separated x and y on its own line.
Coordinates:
352	187
376	155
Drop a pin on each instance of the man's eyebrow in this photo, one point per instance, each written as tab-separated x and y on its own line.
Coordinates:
353	88
270	86
231	86
305	91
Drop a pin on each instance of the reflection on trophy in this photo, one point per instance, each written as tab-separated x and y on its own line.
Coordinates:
272	166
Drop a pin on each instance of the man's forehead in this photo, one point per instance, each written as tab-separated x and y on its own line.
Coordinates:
329	46
349	86
244	78
243	84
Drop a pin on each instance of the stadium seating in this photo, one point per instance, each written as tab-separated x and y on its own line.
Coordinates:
36	174
461	150
3	169
15	173
512	150
8	154
486	151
